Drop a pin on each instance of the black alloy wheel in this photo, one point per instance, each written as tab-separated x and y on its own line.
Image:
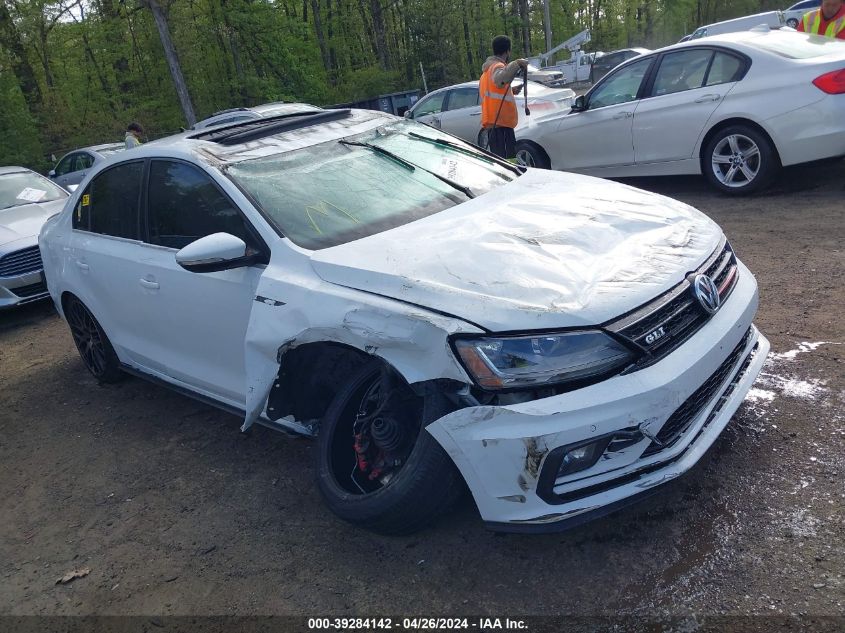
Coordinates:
377	467
92	343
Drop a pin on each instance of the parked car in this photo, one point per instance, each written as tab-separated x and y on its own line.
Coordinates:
607	62
234	115
75	165
735	108
772	19
456	109
796	12
552	78
27	199
431	313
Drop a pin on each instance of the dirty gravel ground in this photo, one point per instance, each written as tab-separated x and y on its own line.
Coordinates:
175	512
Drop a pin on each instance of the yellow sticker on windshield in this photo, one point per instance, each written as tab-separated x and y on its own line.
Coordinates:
86	200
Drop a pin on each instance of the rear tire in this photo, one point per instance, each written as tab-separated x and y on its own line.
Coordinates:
91	341
792	22
425	485
739	160
532	155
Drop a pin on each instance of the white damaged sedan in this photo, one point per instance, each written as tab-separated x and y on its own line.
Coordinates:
435	317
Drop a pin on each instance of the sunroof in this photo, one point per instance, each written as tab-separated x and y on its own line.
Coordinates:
244	131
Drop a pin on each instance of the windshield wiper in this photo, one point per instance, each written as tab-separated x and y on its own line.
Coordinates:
476	153
380	150
409	165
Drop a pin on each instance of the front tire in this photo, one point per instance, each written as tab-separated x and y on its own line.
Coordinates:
792	22
531	155
377	467
739	160
91	342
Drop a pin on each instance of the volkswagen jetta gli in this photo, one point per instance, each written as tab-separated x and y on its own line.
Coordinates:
434	316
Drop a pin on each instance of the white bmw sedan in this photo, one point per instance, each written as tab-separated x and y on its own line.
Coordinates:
434	316
734	107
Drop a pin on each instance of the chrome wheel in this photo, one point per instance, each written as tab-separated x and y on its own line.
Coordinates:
88	338
736	161
524	157
792	22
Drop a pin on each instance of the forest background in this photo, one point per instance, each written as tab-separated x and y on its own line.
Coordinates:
75	72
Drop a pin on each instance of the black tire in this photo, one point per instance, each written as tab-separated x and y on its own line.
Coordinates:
532	155
792	22
91	341
424	487
740	160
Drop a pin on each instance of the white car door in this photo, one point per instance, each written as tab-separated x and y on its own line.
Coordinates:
195	323
462	114
428	110
601	135
185	328
688	87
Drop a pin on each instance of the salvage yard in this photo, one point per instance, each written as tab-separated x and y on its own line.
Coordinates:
174	511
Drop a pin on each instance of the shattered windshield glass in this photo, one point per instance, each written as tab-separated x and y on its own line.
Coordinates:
26	187
346	189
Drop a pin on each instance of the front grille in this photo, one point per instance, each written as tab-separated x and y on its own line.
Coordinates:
31	290
661	326
26	260
683	417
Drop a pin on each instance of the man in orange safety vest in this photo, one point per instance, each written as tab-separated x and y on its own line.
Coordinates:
499	114
829	20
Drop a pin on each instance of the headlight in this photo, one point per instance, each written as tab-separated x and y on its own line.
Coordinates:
542	359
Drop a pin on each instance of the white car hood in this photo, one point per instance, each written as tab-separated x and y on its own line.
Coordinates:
26	220
548	250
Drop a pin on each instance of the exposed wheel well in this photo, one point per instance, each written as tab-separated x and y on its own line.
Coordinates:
727	123
309	377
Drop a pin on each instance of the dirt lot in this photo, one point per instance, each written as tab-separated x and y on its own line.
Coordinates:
175	512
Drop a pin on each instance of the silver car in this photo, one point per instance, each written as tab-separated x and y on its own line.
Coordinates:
457	110
27	200
796	12
234	115
74	166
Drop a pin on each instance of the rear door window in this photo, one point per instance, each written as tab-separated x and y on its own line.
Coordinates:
684	70
184	205
110	204
725	69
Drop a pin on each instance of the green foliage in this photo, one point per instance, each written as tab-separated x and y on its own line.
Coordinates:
100	64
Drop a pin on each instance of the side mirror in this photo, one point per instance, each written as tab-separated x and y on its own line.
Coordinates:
72	188
580	104
51	173
215	252
408	114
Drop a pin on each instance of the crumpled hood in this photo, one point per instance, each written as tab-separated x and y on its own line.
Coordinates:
26	220
548	250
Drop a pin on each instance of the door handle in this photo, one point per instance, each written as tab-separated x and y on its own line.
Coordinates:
81	265
707	98
149	283
475	113
623	115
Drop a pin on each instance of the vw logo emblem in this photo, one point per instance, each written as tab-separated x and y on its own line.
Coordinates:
707	293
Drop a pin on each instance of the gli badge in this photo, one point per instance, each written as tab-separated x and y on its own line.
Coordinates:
659	333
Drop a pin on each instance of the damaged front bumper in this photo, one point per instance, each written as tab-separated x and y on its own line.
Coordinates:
667	416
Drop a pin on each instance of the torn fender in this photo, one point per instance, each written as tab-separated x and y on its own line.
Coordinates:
296	309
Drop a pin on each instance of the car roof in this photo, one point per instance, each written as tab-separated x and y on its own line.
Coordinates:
11	169
262	137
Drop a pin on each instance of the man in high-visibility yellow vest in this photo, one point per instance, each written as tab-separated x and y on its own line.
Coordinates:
829	20
499	115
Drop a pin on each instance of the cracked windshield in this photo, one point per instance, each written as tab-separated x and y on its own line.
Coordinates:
350	188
